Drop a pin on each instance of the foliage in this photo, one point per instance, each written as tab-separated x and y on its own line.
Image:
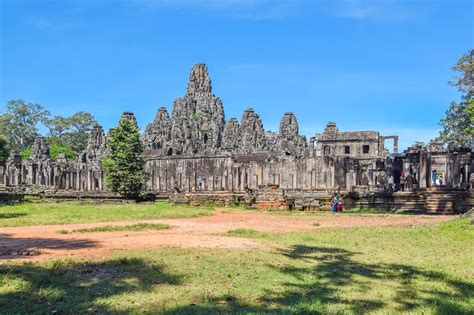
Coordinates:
25	153
19	123
124	163
56	146
197	116
470	113
458	125
4	151
72	131
19	126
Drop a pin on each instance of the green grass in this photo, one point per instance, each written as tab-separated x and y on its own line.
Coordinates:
116	228
389	270
246	233
73	212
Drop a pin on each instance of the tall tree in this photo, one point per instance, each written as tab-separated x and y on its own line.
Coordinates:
71	131
3	150
81	124
19	124
57	126
458	125
124	162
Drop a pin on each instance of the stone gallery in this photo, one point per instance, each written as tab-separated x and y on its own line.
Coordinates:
196	150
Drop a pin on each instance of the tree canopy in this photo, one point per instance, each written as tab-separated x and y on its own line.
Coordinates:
458	125
72	131
19	123
19	126
3	150
124	162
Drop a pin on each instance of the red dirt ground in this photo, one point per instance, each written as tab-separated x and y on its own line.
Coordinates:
29	241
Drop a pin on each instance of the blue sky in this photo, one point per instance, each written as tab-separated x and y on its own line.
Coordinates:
367	65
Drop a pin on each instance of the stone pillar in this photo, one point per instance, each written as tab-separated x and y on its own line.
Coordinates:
423	170
456	171
2	176
89	180
448	181
466	175
395	145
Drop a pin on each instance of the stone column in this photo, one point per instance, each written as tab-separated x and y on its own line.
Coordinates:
423	170
395	145
456	171
466	175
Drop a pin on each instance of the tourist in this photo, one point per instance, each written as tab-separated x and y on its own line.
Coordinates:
409	182
334	203
390	183
402	181
339	204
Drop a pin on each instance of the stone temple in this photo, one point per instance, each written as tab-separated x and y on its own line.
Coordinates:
196	151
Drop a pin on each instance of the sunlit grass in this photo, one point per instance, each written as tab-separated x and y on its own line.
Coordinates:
386	270
73	212
117	228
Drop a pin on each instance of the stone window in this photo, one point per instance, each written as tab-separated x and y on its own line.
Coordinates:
327	150
347	149
365	148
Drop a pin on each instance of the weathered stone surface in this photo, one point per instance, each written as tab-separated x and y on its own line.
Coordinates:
231	135
252	133
198	117
197	153
290	142
40	149
157	135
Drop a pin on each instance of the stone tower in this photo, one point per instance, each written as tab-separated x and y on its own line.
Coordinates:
157	135
252	133
289	139
197	118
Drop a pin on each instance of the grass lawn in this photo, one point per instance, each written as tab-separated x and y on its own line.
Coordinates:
73	212
116	228
421	270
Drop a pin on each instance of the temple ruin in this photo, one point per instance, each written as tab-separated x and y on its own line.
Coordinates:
196	150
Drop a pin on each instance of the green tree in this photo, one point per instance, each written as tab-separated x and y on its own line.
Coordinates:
19	123
73	131
4	152
57	126
124	162
56	146
458	125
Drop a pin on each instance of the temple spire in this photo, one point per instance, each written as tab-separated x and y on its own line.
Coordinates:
199	80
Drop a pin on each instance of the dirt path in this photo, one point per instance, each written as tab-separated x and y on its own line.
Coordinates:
43	242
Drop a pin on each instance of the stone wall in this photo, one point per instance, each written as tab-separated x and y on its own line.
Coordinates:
195	152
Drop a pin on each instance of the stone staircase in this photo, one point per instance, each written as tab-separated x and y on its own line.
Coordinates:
436	200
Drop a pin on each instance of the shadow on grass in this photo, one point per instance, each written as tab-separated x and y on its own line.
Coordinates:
318	281
66	287
313	288
12	215
16	247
